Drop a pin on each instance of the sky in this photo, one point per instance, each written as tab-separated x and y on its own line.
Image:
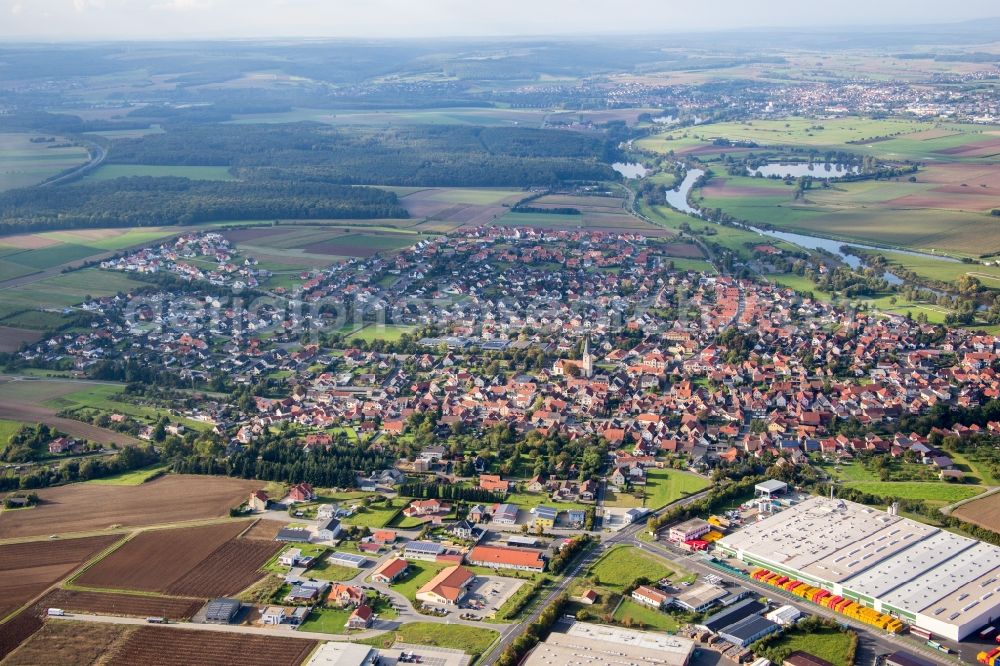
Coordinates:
178	19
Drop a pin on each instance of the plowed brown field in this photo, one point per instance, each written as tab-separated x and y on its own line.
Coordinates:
983	512
81	507
154	560
26	569
159	646
107	603
234	566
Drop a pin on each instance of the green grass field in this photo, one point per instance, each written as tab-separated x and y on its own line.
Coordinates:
23	163
7	430
387	332
638	616
918	490
663	486
830	644
66	290
133	478
945	271
112	171
327	620
619	567
102	398
373	516
420	573
471	640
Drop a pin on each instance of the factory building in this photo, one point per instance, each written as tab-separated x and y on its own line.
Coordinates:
936	580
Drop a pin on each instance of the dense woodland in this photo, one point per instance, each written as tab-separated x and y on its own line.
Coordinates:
148	201
447	155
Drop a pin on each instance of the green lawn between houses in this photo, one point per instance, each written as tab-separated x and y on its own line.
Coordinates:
471	640
635	615
663	486
620	567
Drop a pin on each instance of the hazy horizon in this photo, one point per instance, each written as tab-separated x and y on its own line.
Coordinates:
124	20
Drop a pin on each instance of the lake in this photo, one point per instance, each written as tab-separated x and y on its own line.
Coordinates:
679	198
630	169
796	169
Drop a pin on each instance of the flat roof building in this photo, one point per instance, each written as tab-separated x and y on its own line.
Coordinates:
583	644
749	630
222	611
940	581
770	488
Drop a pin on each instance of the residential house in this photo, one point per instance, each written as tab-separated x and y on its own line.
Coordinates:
391	571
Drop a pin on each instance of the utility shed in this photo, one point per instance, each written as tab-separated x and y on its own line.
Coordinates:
222	611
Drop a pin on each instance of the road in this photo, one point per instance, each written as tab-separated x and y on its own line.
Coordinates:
583	562
98	154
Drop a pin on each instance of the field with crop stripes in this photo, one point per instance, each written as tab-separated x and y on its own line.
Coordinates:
158	646
234	566
109	603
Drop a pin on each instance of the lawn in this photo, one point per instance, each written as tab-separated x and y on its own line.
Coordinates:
663	486
7	430
112	171
420	573
327	620
830	644
638	616
134	478
324	570
471	640
373	516
387	332
527	501
918	490
618	568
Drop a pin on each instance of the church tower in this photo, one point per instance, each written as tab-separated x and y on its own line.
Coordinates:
587	363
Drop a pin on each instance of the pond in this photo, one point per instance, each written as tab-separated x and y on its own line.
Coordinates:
630	169
796	169
679	198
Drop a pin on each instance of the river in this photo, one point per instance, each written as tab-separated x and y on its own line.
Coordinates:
679	199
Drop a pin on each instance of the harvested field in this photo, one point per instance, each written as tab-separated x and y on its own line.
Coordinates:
69	644
135	605
264	529
233	567
248	235
17	630
11	338
88	507
26	569
687	250
154	560
984	512
159	646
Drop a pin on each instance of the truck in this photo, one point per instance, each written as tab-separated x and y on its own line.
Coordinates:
56	612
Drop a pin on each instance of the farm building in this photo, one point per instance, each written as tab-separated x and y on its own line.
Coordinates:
347	560
869	560
222	611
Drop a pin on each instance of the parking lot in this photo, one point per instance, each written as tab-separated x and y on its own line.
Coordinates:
485	596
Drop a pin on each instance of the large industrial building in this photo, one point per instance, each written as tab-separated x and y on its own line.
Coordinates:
584	644
936	580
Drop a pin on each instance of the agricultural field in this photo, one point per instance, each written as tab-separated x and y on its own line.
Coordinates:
81	507
101	398
918	490
26	569
128	605
23	163
159	646
984	512
7	430
635	615
618	568
930	268
926	215
12	338
16	630
112	171
80	643
471	640
203	561
56	292
597	212
663	486
447	209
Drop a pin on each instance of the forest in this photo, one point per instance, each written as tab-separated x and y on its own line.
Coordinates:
448	155
148	201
